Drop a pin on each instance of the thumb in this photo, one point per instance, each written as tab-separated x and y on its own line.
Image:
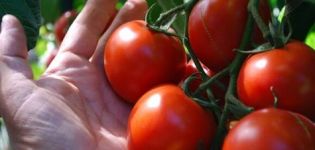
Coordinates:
13	49
14	69
13	41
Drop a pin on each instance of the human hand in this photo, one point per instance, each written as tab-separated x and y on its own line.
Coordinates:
72	105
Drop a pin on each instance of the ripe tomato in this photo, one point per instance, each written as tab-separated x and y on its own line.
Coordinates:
271	129
62	25
216	27
165	118
289	70
191	68
137	59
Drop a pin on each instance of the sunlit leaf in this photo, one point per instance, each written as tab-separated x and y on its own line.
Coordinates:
310	38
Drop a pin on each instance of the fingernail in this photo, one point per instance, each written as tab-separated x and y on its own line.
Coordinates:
6	20
3	21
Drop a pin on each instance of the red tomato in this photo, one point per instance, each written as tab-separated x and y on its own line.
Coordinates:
215	28
289	70
165	118
271	129
191	69
62	25
137	59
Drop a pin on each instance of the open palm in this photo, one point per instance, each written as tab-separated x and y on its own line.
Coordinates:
72	105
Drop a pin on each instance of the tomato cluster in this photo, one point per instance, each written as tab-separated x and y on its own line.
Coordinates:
146	68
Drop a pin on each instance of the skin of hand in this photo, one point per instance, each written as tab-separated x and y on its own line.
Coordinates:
72	105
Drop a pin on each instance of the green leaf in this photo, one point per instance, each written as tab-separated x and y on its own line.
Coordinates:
50	10
311	1
78	4
310	38
153	13
28	12
150	2
179	24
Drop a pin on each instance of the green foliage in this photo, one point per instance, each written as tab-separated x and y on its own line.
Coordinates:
153	13
28	12
160	6
310	38
50	10
180	22
78	4
4	139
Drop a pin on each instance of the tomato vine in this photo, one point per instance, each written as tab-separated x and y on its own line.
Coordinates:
274	34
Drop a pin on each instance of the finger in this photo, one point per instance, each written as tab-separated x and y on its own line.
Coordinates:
13	49
132	10
13	63
11	30
84	33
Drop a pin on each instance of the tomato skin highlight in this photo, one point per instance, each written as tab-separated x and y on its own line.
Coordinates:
289	70
271	129
216	27
137	59
166	119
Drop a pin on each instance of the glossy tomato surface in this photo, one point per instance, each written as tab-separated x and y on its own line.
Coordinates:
166	119
289	70
137	59
271	129
216	27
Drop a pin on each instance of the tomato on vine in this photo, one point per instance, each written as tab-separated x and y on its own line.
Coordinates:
271	129
216	27
286	73
165	118
218	91
137	59
192	69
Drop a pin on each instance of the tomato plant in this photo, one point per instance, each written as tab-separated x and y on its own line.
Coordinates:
136	59
288	70
165	118
191	69
271	129
217	90
216	27
62	24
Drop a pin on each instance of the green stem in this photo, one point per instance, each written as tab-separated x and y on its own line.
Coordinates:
214	78
229	97
221	130
275	97
178	23
203	74
192	55
252	7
